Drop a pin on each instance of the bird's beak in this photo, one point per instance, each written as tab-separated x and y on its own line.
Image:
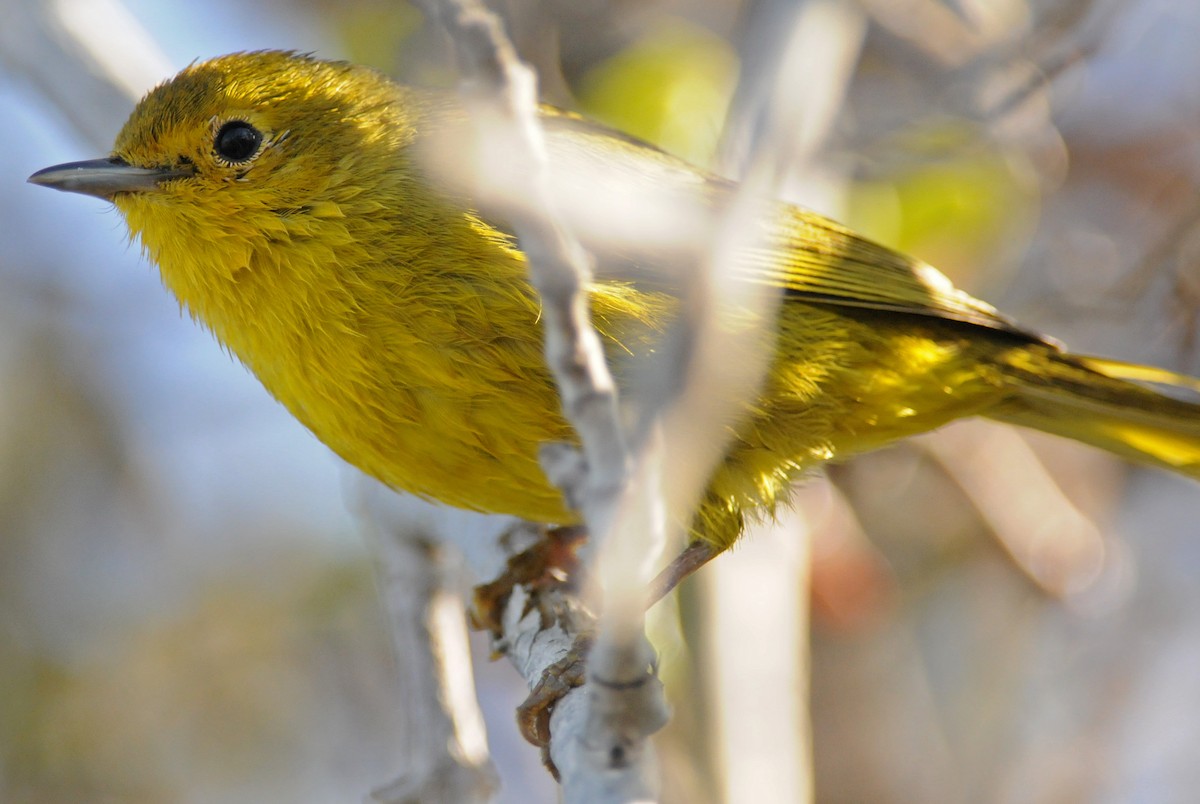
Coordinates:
104	178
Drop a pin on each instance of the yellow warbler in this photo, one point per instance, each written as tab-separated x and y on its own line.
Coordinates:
285	201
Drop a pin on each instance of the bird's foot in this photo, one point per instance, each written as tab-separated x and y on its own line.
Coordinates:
552	565
569	672
551	562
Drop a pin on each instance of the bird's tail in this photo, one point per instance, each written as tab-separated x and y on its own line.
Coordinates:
1145	414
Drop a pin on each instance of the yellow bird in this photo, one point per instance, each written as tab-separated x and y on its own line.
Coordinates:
287	204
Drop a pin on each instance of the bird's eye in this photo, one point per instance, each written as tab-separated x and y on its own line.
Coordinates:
237	141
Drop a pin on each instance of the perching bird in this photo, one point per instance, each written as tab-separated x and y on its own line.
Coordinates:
290	208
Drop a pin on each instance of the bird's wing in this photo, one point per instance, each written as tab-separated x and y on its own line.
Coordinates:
818	261
811	258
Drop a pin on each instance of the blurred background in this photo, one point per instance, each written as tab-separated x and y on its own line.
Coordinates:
188	612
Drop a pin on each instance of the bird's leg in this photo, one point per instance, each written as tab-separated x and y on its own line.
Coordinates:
549	572
690	559
552	565
569	672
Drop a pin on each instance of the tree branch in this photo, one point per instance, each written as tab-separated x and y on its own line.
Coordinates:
444	750
598	735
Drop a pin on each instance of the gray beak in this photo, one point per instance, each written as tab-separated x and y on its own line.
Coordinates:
104	178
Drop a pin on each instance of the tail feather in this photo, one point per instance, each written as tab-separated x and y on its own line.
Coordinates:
1145	414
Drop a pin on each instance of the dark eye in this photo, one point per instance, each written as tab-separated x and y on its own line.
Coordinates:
237	141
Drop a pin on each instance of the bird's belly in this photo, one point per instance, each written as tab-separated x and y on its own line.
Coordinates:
420	420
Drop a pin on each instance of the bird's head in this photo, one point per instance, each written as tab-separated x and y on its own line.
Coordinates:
248	145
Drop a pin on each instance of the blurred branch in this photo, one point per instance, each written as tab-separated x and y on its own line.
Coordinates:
1165	250
91	58
798	62
936	29
1057	44
444	750
1057	546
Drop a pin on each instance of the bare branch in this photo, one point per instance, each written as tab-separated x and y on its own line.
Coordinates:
444	752
602	755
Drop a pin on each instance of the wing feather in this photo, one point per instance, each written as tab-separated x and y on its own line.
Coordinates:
815	260
811	258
